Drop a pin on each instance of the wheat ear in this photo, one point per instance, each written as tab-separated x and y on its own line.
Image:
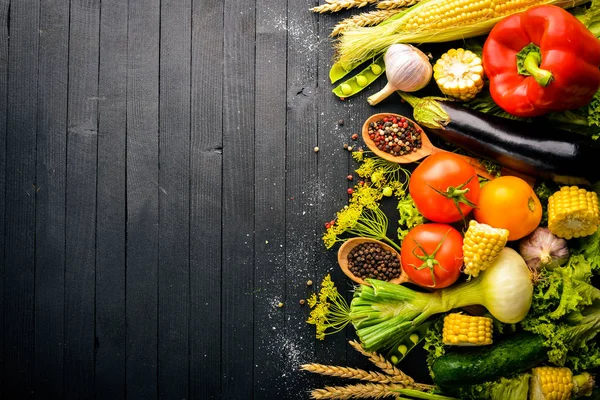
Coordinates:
380	362
365	19
359	391
338	5
388	4
347	372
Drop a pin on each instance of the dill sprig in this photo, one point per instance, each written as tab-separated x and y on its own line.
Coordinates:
330	312
383	173
362	216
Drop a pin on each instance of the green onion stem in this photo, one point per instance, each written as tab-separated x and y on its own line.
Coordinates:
382	312
423	395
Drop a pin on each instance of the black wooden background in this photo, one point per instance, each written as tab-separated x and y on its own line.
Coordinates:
159	196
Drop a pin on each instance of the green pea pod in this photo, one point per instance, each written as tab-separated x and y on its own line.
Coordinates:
361	80
338	70
408	342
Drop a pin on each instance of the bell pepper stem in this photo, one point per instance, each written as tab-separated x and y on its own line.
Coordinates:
532	65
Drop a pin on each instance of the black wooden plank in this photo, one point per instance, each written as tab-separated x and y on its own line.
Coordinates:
271	346
82	139
142	198
174	238
332	172
110	226
206	163
355	110
19	259
238	199
4	7
50	203
303	188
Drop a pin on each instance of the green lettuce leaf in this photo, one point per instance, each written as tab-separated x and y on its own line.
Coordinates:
409	216
565	309
516	388
433	344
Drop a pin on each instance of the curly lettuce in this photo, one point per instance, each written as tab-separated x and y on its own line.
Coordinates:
566	311
516	388
409	216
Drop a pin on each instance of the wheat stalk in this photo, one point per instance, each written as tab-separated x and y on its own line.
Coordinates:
383	364
365	19
359	391
338	5
389	4
347	372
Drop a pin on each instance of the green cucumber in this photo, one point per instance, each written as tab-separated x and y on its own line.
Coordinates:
473	365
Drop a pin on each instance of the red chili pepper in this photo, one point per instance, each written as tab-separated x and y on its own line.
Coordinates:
541	60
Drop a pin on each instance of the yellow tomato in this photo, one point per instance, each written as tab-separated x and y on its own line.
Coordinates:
509	202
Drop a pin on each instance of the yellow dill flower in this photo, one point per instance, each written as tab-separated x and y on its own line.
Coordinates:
330	238
367	168
347	218
399	188
358	155
366	196
330	311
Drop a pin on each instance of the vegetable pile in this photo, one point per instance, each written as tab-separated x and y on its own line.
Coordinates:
499	270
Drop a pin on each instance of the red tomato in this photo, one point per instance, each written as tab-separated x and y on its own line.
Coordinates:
432	255
444	187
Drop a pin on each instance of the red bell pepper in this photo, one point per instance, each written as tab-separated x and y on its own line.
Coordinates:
541	60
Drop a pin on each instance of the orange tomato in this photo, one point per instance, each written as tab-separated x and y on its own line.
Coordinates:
509	202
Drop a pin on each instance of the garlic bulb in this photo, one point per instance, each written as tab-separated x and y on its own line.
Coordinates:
542	249
407	69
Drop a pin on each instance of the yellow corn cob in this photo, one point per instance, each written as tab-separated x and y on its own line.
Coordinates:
573	212
453	13
466	330
431	21
459	74
551	383
481	246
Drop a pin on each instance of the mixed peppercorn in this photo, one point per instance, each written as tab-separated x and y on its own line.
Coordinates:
397	136
370	260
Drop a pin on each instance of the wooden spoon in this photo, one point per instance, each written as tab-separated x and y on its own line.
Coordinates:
347	247
426	147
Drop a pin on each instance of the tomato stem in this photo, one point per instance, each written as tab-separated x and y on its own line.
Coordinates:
457	195
429	260
531	204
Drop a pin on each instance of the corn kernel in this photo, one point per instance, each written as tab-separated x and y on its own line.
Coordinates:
573	212
551	383
481	247
459	74
466	330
